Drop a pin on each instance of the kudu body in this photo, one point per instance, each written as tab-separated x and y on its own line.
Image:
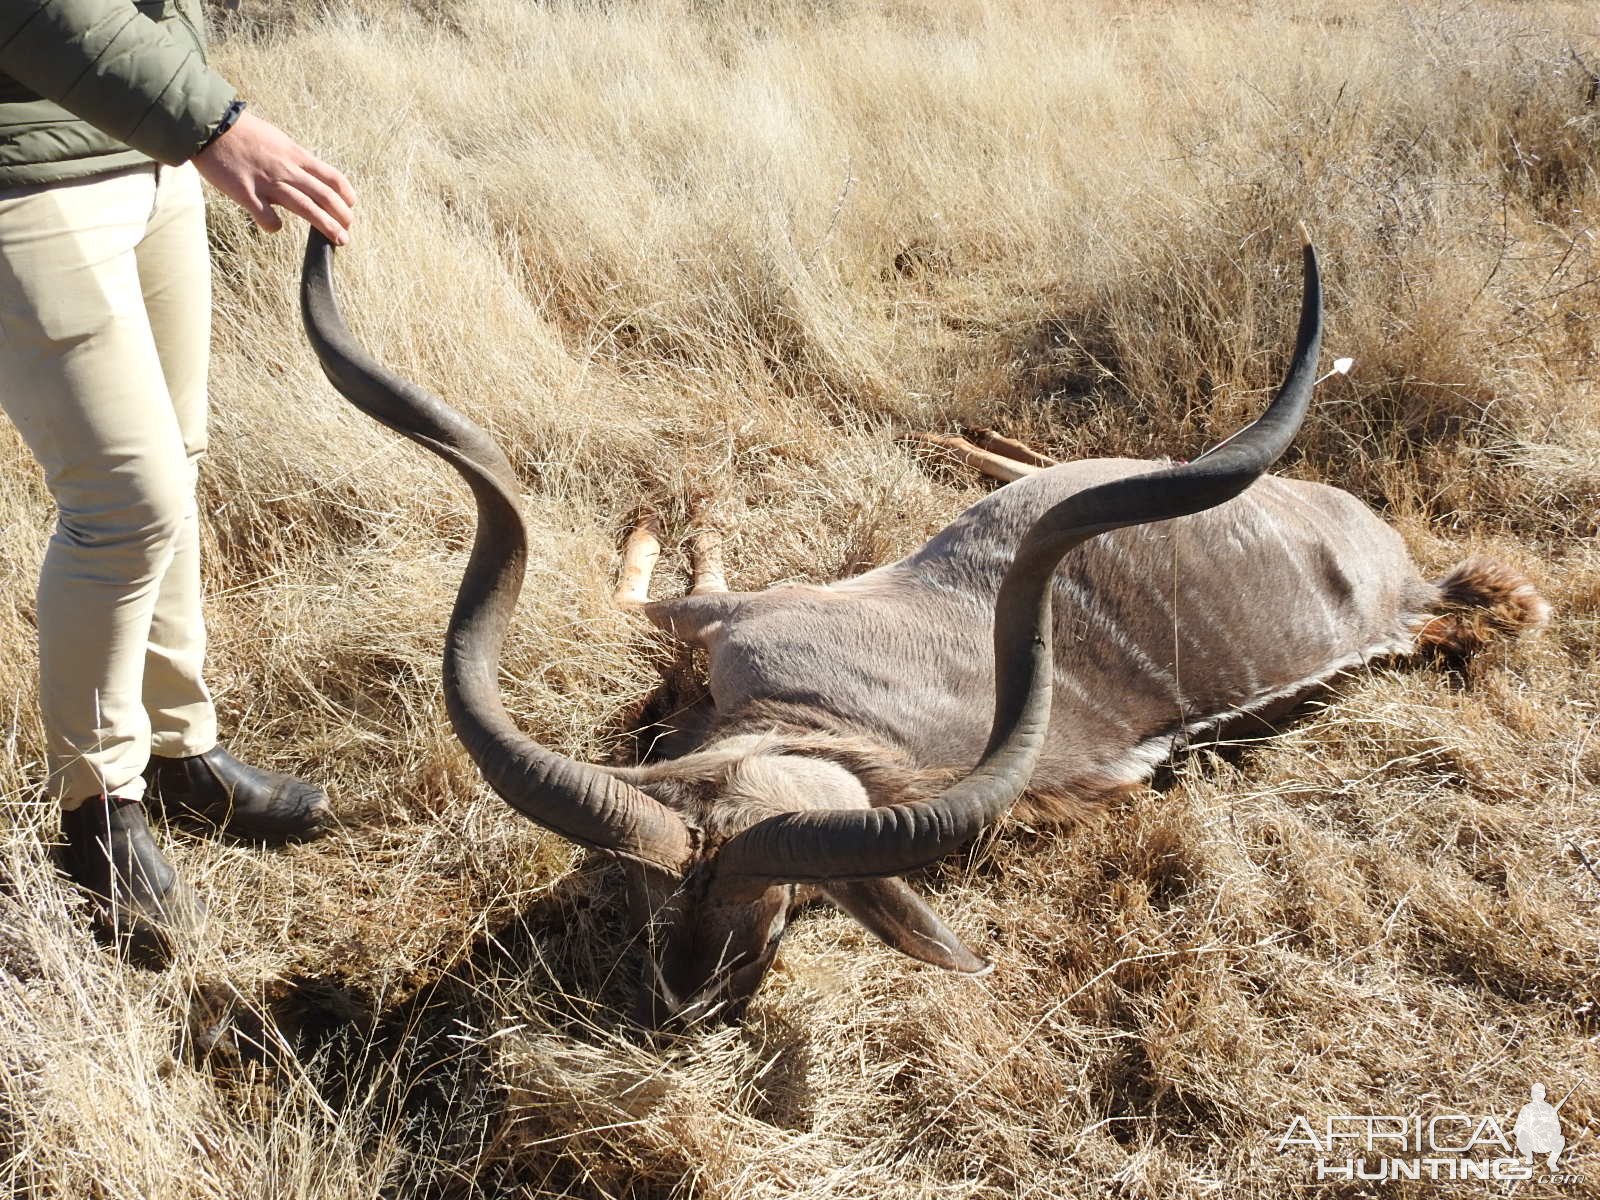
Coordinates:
1161	631
1060	636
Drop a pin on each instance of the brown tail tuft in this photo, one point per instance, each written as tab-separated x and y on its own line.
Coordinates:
1480	601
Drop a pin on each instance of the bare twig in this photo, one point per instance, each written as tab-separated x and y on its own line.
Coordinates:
1585	860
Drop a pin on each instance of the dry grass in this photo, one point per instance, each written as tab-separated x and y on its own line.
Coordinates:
659	247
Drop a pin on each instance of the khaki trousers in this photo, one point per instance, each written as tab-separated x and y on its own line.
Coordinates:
105	319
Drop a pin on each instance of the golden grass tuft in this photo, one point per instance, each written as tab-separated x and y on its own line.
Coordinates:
663	248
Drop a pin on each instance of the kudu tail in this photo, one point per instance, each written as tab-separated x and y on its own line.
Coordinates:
1478	602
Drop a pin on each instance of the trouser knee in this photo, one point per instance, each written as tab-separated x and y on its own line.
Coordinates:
137	531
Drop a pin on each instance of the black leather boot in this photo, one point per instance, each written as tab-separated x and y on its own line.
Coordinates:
245	801
111	854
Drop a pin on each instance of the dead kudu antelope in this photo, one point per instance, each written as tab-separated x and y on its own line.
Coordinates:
1053	643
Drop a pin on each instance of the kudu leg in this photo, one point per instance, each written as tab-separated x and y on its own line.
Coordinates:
642	551
998	443
639	556
705	556
995	466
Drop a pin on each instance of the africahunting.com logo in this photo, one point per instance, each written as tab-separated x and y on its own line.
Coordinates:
1441	1146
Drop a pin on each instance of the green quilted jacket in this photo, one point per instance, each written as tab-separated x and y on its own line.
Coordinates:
89	86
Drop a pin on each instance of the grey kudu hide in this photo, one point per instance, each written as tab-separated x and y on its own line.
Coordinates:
869	727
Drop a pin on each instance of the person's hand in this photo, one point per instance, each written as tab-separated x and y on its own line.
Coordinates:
257	166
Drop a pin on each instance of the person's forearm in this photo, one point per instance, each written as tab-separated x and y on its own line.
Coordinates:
107	64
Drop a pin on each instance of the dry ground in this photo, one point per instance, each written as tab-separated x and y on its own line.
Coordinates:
665	246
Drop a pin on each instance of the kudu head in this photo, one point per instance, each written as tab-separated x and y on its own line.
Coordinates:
711	933
723	844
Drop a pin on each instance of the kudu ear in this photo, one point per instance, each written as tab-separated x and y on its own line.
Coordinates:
899	918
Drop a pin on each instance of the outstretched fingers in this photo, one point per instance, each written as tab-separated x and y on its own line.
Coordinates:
316	202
